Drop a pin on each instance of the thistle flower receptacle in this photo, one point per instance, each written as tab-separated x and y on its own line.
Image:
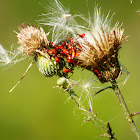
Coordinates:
100	48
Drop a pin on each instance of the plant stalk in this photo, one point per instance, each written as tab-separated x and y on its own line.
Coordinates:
125	109
65	84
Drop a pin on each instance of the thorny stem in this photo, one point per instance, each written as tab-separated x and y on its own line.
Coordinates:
65	84
125	109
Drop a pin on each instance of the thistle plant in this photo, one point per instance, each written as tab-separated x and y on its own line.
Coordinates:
94	47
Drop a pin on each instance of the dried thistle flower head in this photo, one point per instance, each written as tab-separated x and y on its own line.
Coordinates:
31	39
100	48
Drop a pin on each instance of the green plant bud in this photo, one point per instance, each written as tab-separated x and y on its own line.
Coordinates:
62	82
47	66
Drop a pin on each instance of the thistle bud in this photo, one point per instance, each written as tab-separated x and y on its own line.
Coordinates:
62	82
48	66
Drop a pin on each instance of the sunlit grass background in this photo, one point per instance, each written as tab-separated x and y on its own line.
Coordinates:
35	110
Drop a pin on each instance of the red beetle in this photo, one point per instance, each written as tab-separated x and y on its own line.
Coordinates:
79	46
70	47
78	53
70	39
97	72
65	51
51	43
70	61
44	49
66	71
73	54
82	35
56	59
57	47
52	51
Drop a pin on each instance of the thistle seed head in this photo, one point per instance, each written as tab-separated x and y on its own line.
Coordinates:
31	39
100	48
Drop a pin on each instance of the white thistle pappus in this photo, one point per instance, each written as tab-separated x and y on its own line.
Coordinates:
100	48
9	57
61	21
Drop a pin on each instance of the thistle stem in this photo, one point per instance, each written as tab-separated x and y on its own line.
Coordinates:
65	84
125	109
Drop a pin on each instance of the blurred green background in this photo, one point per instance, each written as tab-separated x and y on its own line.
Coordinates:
37	111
